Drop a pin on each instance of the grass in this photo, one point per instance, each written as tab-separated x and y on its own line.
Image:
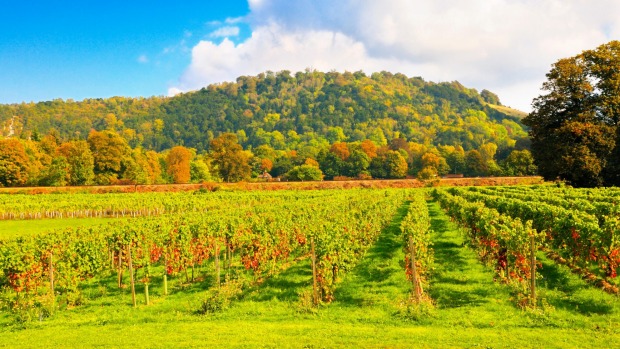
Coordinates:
508	111
16	228
471	309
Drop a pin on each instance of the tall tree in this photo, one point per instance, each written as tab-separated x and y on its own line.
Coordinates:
109	150
178	164
13	163
233	164
574	126
80	162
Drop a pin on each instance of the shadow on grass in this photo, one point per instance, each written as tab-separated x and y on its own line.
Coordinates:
284	286
105	291
378	267
559	278
455	283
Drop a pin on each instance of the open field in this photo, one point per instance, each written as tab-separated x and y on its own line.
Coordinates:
10	229
370	307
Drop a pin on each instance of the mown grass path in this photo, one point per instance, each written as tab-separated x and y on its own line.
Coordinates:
461	285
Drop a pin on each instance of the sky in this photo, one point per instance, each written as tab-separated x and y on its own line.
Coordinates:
88	49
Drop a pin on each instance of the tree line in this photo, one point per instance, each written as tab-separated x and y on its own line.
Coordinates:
105	157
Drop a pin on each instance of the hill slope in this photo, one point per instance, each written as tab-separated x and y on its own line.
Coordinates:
284	111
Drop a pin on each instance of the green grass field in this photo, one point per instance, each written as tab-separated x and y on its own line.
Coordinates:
471	309
15	228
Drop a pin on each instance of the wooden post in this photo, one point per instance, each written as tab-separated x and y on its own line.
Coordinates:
146	293
417	288
217	264
315	290
165	277
230	255
532	271
133	284
120	268
52	273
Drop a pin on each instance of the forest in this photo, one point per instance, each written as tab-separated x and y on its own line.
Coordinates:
307	126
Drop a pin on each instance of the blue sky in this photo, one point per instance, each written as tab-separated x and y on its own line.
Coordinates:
88	49
84	49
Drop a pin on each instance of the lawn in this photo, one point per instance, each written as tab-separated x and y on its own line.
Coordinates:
15	228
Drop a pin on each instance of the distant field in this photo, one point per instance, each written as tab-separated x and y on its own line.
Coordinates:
350	184
15	228
509	111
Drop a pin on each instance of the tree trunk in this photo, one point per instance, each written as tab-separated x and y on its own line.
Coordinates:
52	274
165	277
217	264
120	268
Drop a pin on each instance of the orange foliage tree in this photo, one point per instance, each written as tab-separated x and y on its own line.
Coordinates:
178	164
341	150
13	163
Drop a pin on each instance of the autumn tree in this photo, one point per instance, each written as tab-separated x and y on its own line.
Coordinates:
228	156
13	163
341	150
109	150
389	164
136	168
154	167
369	147
574	126
178	164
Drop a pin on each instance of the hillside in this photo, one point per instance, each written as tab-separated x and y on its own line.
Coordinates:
284	111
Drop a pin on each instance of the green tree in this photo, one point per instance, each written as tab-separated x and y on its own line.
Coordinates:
519	163
199	171
358	162
56	173
574	126
80	162
389	164
475	165
304	173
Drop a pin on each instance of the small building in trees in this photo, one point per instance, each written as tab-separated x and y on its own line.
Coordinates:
265	177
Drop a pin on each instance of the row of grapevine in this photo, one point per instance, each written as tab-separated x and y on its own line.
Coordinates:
594	205
340	227
577	236
416	235
508	244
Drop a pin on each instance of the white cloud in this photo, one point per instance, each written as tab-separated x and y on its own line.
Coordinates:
234	20
225	32
143	59
505	46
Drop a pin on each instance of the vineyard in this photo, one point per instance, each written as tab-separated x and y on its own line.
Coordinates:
449	264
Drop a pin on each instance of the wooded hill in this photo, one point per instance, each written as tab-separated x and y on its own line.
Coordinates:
286	112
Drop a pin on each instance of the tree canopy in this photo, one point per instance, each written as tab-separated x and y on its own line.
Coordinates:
574	126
